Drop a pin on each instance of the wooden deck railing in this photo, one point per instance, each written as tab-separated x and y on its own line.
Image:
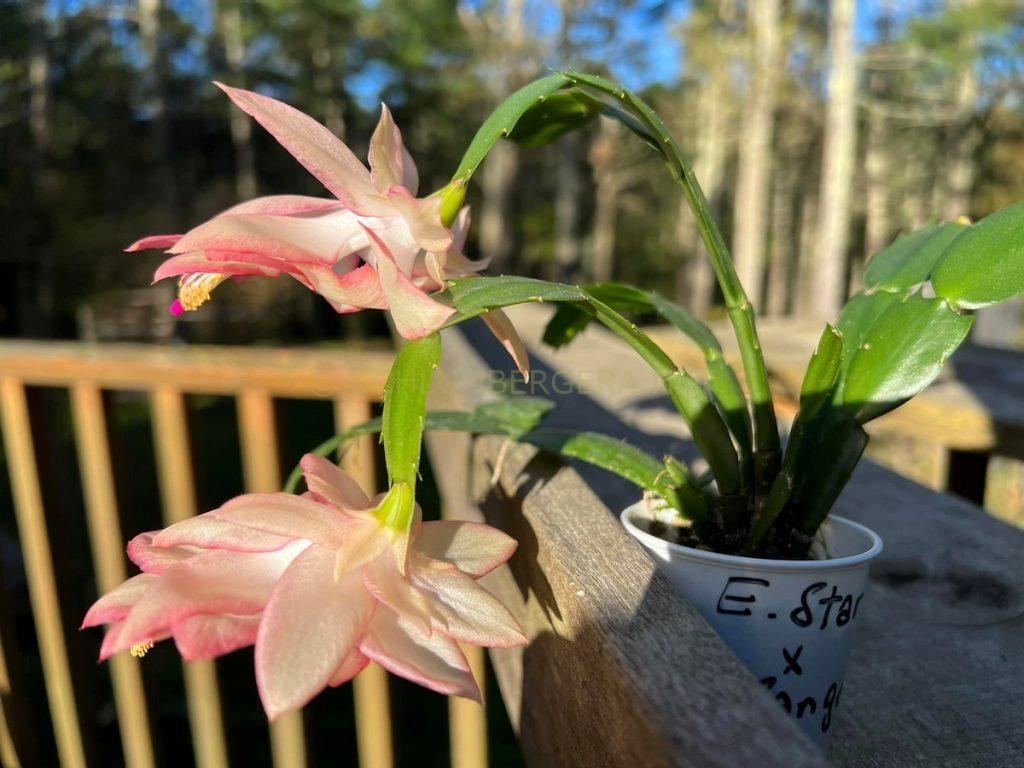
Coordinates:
352	380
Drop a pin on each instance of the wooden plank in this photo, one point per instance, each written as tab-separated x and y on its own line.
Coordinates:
35	547
262	470
1004	489
370	687
177	489
109	561
467	720
8	750
924	461
316	373
620	670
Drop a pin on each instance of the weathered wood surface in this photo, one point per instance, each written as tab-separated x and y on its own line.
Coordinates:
620	671
937	671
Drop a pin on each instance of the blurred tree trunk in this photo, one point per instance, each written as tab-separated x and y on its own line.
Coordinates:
500	170
324	82
828	287
155	97
38	308
963	140
877	178
695	282
567	209
229	18
808	246
497	179
783	236
603	159
750	207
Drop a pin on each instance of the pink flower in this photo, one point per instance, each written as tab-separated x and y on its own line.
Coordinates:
374	245
322	584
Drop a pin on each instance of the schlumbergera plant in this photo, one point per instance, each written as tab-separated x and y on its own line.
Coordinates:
322	583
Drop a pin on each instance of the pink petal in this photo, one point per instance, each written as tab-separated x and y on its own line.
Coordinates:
116	604
311	623
506	333
415	314
470	613
116	641
311	238
211	532
282	205
433	660
358	289
321	152
206	637
153	559
387	584
153	241
213	261
473	548
423	217
390	163
332	484
350	666
220	582
363	542
284	514
460	230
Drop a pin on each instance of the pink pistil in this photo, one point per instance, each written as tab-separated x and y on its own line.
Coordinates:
176	308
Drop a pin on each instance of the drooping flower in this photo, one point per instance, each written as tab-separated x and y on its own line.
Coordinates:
375	245
208	600
353	580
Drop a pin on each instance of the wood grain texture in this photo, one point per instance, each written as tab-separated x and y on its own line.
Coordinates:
620	671
937	670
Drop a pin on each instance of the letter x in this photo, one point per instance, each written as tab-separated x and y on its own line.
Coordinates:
792	661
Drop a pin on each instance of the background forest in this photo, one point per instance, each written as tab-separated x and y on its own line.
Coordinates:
819	130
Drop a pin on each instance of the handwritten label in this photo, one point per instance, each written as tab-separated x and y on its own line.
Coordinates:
830	608
820	606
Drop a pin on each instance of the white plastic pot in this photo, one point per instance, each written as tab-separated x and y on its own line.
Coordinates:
790	621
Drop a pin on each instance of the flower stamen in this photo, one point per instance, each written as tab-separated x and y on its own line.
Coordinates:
194	290
139	650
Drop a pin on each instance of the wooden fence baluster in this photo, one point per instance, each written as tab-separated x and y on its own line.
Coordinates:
108	557
370	687
8	751
35	547
262	470
177	487
467	720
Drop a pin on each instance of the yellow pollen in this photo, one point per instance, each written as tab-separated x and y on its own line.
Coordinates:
141	649
194	290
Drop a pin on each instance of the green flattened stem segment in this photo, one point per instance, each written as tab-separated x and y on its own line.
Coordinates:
815	393
571	319
405	407
472	296
639	117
